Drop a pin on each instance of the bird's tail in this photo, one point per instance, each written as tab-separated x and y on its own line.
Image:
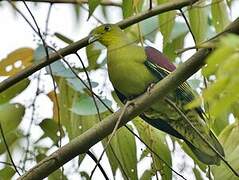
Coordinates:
212	157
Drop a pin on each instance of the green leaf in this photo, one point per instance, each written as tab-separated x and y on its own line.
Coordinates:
170	48
166	23
189	152
147	175
84	105
220	16
198	17
177	37
110	152
230	141
127	8
58	69
6	173
50	128
149	28
40	53
11	138
156	140
13	91
92	6
10	116
124	146
220	123
92	52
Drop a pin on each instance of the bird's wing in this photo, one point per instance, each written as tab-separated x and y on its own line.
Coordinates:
160	66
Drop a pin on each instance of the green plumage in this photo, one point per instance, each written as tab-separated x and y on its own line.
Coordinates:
131	73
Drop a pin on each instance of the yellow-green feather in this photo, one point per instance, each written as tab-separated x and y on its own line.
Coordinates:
131	77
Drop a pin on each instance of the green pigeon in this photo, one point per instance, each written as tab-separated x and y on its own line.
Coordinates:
133	69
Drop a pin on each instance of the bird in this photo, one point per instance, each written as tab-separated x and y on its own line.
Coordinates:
133	69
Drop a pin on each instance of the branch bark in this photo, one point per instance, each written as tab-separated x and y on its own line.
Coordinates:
84	42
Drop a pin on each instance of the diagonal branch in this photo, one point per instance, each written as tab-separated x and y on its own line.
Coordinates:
84	42
82	143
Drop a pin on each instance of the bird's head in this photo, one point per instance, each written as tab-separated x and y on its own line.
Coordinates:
107	34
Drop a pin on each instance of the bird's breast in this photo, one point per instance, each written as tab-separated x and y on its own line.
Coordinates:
129	77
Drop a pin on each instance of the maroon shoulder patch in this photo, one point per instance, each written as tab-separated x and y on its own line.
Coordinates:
158	58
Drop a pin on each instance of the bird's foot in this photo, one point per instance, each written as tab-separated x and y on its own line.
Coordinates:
150	87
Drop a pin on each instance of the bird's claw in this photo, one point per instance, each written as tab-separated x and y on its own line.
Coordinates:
150	87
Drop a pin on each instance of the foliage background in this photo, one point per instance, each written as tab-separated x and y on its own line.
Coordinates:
31	121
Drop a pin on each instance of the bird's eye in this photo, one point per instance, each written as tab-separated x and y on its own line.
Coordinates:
107	27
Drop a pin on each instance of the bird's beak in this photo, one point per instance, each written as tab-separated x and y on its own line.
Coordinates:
93	38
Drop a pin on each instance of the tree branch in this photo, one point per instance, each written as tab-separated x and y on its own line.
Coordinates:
82	143
84	42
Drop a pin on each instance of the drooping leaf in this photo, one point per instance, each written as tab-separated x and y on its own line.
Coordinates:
40	53
149	28
230	141
92	6
166	23
74	124
146	175
176	41
127	8
156	140
10	116
220	123
85	105
16	61
198	17
13	91
220	16
6	173
50	128
59	69
11	138
189	152
124	146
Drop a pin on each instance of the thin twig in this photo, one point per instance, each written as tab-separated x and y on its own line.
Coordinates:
8	151
189	27
25	158
102	3
150	4
100	167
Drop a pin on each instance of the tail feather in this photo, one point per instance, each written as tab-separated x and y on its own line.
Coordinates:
205	157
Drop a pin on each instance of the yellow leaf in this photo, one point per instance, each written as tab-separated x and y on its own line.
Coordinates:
52	97
16	61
